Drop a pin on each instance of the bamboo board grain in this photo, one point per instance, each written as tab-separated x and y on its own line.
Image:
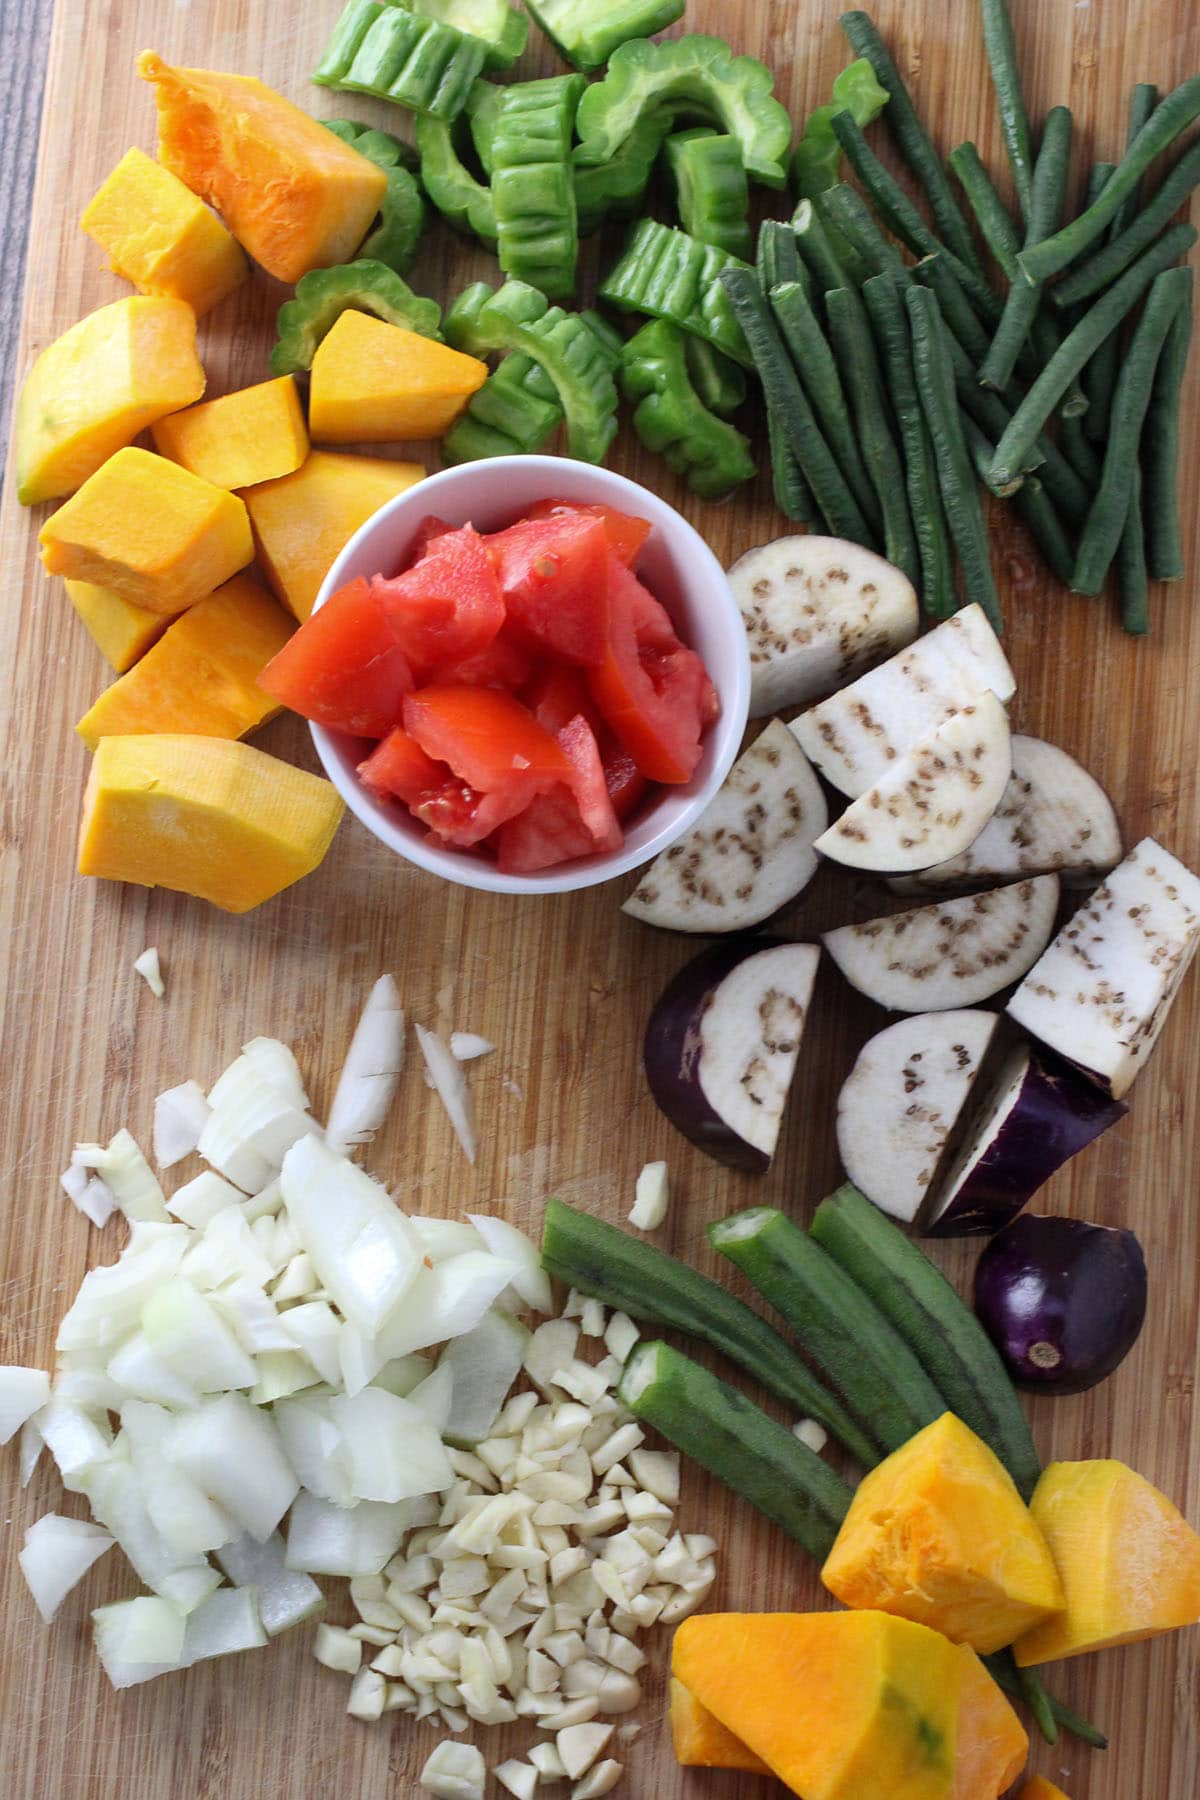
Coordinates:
562	986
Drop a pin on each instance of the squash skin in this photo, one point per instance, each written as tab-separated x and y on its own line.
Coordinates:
294	195
870	1704
253	435
938	1533
699	1739
993	1745
202	675
158	235
121	631
96	387
149	530
1129	1561
1041	1789
204	816
373	383
303	521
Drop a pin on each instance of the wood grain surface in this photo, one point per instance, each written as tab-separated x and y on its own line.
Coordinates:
563	986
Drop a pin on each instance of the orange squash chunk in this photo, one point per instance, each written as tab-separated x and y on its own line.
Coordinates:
256	434
938	1533
120	630
993	1745
1129	1561
373	383
1041	1789
161	237
202	675
303	521
150	531
294	195
838	1705
701	1741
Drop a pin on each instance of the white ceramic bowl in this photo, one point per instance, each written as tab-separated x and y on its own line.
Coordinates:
678	567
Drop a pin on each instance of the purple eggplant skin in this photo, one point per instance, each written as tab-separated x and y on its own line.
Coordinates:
1055	1116
1063	1301
671	1053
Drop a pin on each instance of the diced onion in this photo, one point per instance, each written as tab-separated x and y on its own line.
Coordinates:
180	1115
149	967
371	1071
452	1089
57	1554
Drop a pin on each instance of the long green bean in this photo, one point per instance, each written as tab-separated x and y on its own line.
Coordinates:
1133	579
1079	451
1160	451
936	273
1169	118
778	259
846	209
1094	275
818	251
981	450
1105	522
1046	528
1010	100
856	352
911	137
1099	376
1081	344
939	597
1142	101
817	368
935	385
1043	214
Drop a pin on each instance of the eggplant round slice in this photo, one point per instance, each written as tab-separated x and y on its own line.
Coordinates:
818	611
934	801
722	1043
752	850
1054	819
1033	1118
955	953
902	1100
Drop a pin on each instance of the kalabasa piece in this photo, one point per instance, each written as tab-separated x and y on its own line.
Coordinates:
252	435
670	418
1054	819
1100	994
818	613
375	383
736	93
954	953
751	852
671	276
856	735
157	234
321	298
392	54
939	1534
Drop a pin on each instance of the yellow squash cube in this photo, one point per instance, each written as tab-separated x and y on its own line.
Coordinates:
204	816
121	631
938	1533
202	675
150	531
993	1745
1041	1789
304	521
95	388
256	434
294	195
839	1705
1129	1560
373	383
161	237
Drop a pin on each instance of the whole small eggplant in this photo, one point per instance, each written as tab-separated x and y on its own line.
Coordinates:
1062	1300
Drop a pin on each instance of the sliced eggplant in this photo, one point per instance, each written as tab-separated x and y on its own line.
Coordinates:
900	1103
752	851
722	1043
956	953
1054	819
818	611
933	801
1100	994
856	735
1033	1118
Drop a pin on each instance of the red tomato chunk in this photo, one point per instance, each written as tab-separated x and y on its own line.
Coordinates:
448	606
343	668
554	578
652	690
626	535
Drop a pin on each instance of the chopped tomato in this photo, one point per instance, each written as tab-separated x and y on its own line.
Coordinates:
398	768
343	667
589	786
570	819
625	781
556	694
448	606
552	574
430	527
626	534
459	815
653	696
504	664
490	740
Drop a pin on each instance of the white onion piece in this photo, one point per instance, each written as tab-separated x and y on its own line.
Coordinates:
91	1389
367	1083
465	1046
452	1089
185	1329
226	1622
180	1115
233	1453
362	1246
274	1065
227	1251
441	1238
251	1129
315	1447
402	1374
127	1174
502	1239
115	1495
74	1439
22	1393
359	1359
149	966
145	1375
314	1330
189	1521
483	1365
281	1373
199	1201
31	1445
435	1395
109	1303
93	1197
253	1318
393	1450
445	1301
286	1597
324	1539
57	1554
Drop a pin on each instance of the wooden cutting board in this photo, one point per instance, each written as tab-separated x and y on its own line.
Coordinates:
563	986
